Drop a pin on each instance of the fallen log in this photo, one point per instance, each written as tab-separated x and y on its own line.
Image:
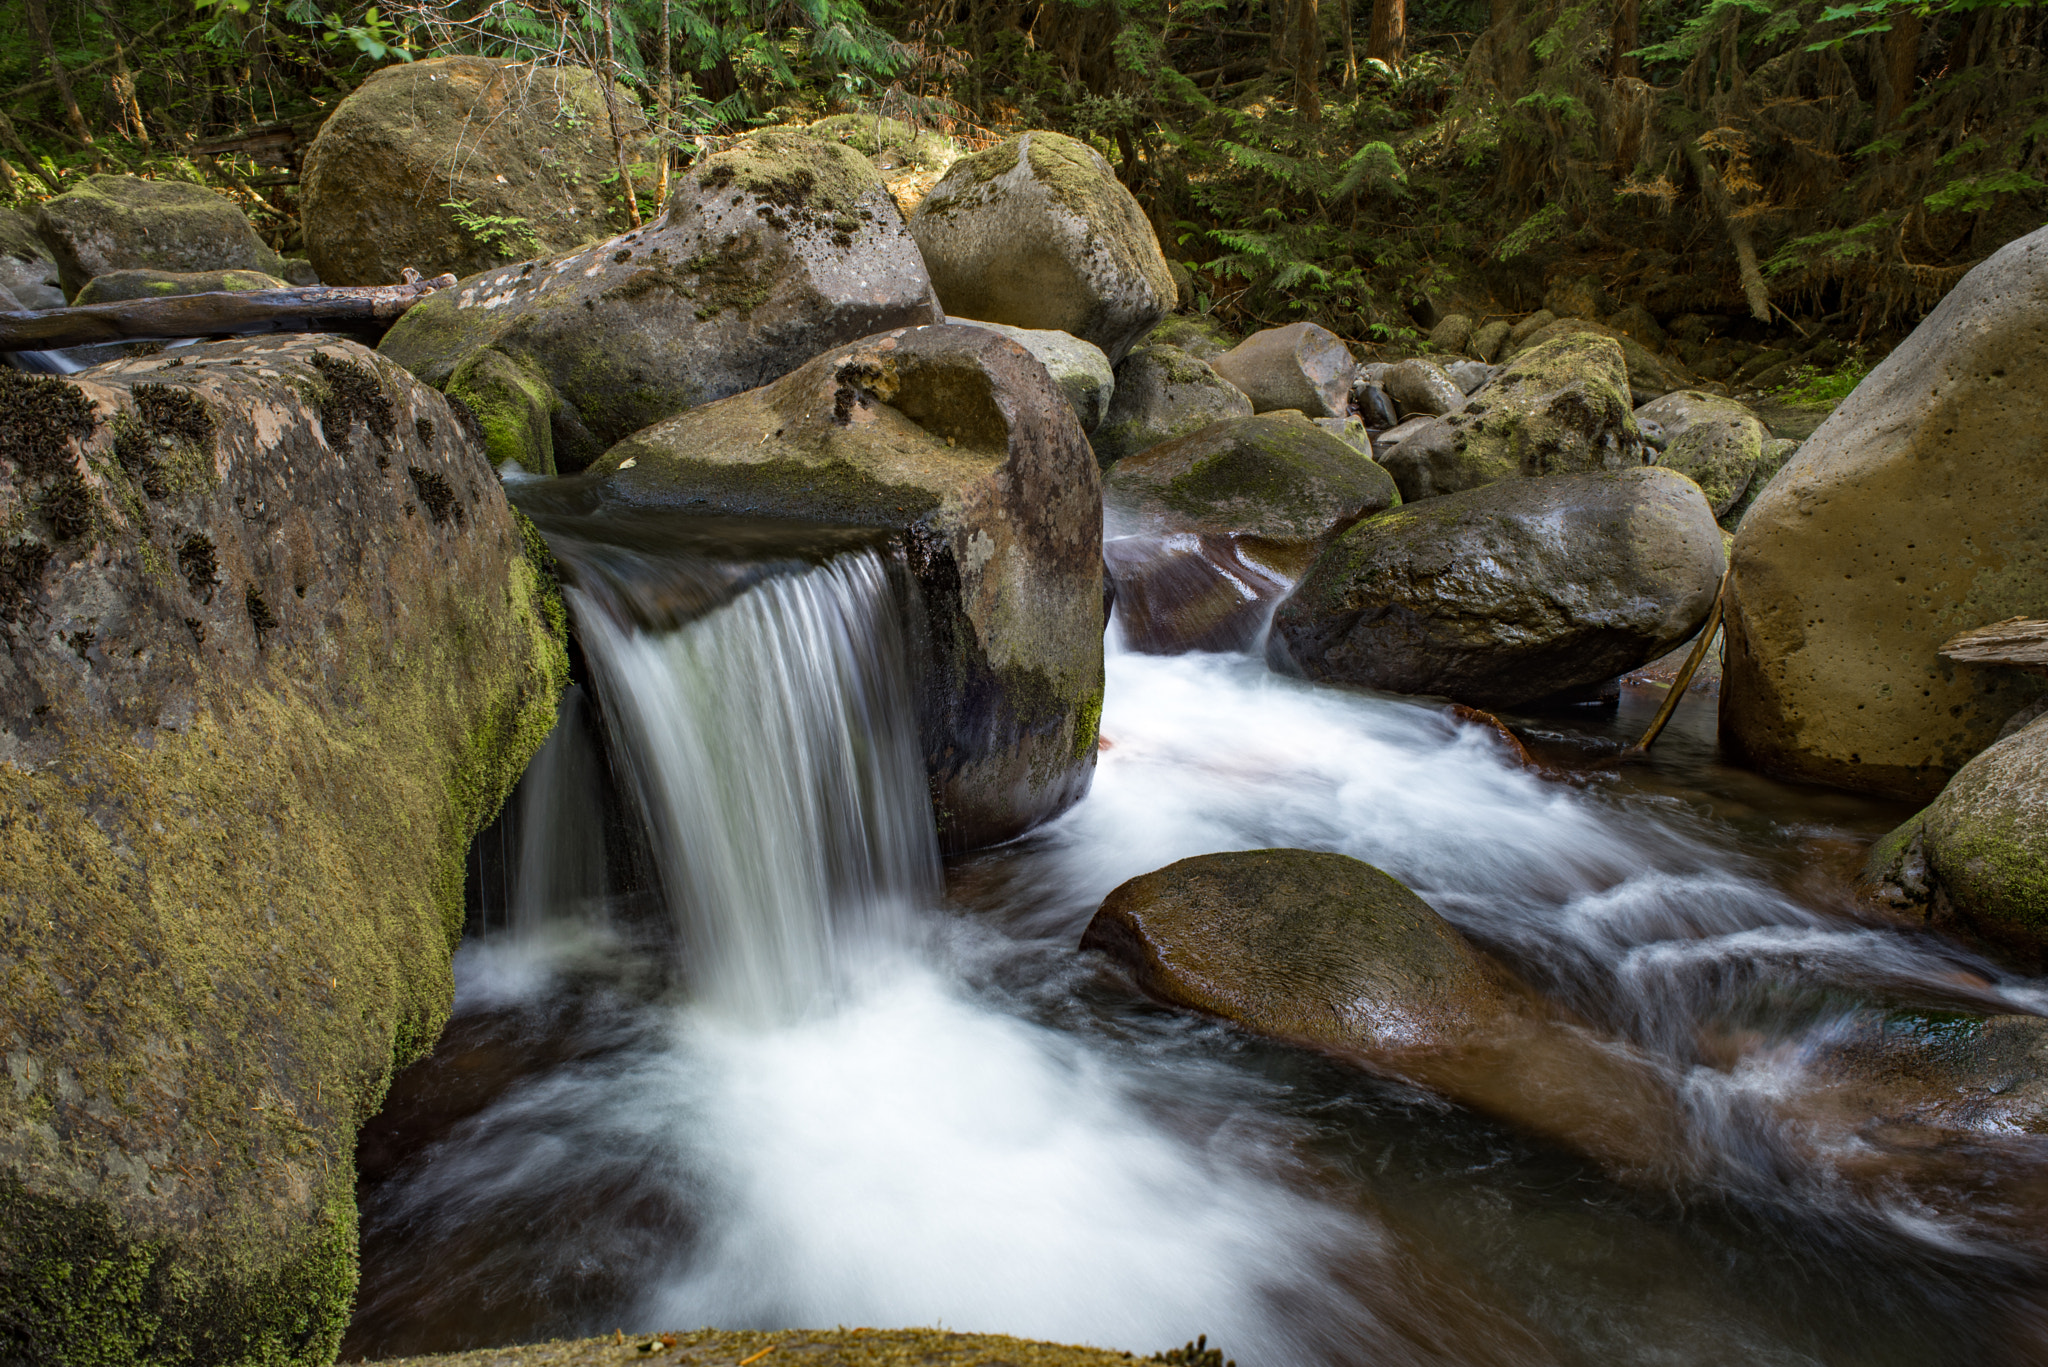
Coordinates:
316	308
2019	642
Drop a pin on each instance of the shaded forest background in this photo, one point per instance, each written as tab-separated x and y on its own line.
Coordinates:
1772	165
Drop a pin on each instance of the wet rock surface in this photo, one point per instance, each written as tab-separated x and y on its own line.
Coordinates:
1421	388
459	164
769	251
1302	366
956	438
277	648
1510	594
1919	509
1037	232
118	223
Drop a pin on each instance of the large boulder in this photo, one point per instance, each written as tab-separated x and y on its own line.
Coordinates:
1208	531
1561	407
1509	594
1978	854
909	160
1163	392
1422	387
1079	368
1039	233
956	438
28	272
1918	510
120	223
277	648
1300	366
1715	442
118	286
770	251
1649	375
459	164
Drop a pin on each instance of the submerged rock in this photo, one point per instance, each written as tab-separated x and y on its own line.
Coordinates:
1039	233
121	223
1163	393
1079	368
1561	407
955	437
459	164
1510	594
277	649
116	286
28	273
1919	509
1298	366
769	251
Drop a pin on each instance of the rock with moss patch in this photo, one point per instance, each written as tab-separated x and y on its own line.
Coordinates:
117	286
1509	594
27	270
1489	340
1163	393
277	649
1421	388
1977	857
771	249
514	406
459	164
1716	442
1777	453
121	223
1451	333
1208	531
1649	375
1520	332
1079	368
909	160
1197	334
1302	366
1039	233
1559	408
955	438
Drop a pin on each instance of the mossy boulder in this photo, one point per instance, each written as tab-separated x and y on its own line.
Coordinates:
121	223
954	437
1303	366
1561	407
1079	368
1039	233
1509	594
514	406
1977	856
116	286
909	160
1162	393
1917	510
277	648
770	250
1716	442
1197	334
459	164
1649	375
27	270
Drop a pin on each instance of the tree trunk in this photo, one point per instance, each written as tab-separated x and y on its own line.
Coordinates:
1621	40
1308	60
28	158
1901	60
666	138
1350	50
1388	41
39	20
316	309
610	87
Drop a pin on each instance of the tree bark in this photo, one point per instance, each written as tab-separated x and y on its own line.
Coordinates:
28	158
318	309
1753	289
1622	40
1901	60
39	20
611	111
667	136
1308	59
1388	41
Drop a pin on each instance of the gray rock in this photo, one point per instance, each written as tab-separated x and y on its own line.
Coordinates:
1451	334
1918	510
1195	333
1635	320
770	250
120	223
956	439
1298	366
1470	376
1350	431
1420	387
1509	594
1528	327
1649	376
1489	341
1400	432
1715	442
1560	407
1162	393
1039	233
27	270
277	648
1079	368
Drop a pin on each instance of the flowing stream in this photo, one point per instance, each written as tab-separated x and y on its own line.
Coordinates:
731	1048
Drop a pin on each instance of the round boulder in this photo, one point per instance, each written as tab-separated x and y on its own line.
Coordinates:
120	223
1509	594
1421	387
957	439
459	164
27	271
1299	366
116	286
1079	368
1716	442
1039	233
1163	392
1918	510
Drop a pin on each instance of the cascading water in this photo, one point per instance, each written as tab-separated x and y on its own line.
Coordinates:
869	1103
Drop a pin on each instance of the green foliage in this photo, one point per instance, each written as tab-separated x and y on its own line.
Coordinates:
511	237
1974	194
1813	386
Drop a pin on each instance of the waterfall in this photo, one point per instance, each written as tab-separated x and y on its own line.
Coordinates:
773	746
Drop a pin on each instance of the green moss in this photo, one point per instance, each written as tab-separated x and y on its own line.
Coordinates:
1070	172
807	179
514	404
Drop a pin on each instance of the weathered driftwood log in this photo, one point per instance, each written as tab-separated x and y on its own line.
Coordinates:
2020	642
319	308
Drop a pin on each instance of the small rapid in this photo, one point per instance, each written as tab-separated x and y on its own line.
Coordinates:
859	1094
